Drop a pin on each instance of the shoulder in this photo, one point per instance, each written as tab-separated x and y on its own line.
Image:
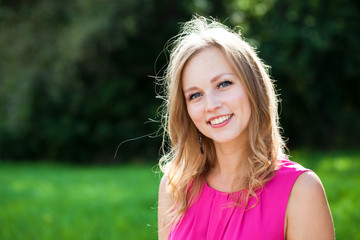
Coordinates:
308	214
164	204
308	182
164	195
308	190
285	175
163	183
287	166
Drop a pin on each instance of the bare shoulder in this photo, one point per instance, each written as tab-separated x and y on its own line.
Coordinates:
164	204
308	183
164	196
162	186
308	214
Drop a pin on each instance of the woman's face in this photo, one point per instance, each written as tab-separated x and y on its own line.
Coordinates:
216	99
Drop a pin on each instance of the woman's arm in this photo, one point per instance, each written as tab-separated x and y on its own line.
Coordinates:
163	206
308	214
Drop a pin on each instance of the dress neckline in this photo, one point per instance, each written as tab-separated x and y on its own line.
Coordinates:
220	192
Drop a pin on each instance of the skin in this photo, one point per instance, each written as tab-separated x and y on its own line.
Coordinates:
308	214
163	205
212	89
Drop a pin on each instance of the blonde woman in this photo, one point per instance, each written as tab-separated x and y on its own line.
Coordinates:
226	175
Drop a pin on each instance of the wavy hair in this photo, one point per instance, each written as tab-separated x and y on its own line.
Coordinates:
183	164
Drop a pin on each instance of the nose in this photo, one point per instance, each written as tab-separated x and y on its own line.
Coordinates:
212	102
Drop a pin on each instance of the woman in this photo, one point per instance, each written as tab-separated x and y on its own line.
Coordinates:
226	175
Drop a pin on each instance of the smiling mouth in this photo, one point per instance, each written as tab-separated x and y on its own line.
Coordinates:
220	120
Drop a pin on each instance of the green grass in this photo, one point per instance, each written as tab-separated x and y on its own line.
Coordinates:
47	201
52	201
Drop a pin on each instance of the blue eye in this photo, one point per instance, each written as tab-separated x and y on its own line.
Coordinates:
224	84
193	96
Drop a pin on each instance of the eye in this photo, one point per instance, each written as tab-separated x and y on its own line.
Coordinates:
224	84
193	96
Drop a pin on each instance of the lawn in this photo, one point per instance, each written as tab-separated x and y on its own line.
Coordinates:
50	201
57	201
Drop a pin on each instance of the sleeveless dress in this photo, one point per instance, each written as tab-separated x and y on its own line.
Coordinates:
211	217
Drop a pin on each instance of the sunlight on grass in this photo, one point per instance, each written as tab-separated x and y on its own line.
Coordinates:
64	202
342	164
52	201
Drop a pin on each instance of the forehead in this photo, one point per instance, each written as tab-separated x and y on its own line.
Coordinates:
204	66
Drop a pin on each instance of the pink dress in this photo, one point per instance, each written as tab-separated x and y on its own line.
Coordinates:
210	218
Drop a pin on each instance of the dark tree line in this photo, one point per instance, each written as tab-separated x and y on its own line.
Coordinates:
75	76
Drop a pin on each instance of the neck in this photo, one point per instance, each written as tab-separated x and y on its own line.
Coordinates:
231	166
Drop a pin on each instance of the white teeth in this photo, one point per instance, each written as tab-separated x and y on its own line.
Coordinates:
220	120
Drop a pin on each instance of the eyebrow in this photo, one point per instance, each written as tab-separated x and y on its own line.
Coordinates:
214	79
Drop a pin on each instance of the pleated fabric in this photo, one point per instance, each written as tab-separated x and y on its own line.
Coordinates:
214	217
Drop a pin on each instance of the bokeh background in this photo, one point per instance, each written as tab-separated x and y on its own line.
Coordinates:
77	80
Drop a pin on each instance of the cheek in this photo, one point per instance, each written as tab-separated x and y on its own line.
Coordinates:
194	113
246	108
240	101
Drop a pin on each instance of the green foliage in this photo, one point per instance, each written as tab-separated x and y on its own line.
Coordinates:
74	75
313	49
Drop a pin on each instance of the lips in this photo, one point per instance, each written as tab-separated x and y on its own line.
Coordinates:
218	120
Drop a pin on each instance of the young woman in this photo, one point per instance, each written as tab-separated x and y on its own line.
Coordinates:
226	175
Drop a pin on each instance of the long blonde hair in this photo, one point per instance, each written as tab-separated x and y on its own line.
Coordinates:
183	164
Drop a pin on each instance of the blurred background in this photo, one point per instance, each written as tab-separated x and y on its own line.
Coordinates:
76	80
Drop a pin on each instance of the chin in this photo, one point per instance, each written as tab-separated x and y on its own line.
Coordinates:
227	139
223	140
